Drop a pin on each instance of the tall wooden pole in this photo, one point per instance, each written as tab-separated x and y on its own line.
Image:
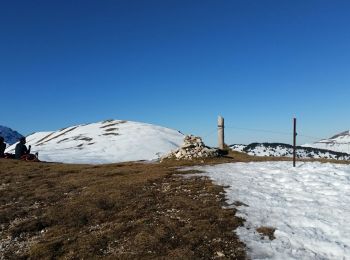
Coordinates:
294	140
221	126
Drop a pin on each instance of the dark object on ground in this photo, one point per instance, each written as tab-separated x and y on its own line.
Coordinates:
222	152
21	148
30	157
2	147
9	156
27	157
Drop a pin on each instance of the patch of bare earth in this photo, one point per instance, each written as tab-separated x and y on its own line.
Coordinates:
45	139
130	210
266	232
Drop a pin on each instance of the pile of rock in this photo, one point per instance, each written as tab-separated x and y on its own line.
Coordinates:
193	148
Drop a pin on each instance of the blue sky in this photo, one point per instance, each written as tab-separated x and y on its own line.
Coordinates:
178	64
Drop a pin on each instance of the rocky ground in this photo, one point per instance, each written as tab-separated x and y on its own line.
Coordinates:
192	148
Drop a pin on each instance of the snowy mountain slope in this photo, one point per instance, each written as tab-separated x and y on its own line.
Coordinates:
104	142
9	135
338	143
286	150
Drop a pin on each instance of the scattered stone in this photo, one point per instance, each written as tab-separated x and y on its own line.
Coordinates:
192	148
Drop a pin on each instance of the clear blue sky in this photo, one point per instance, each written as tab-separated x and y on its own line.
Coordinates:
177	64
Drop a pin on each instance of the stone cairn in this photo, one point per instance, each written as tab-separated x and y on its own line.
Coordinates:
193	148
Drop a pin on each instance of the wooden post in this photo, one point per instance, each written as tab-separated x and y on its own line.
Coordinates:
221	127
294	140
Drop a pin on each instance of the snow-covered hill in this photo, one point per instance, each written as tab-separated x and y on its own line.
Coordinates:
109	141
338	143
10	136
286	150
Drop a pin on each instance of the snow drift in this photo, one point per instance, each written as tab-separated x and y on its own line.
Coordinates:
109	141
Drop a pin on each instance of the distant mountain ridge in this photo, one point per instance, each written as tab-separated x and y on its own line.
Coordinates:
109	141
342	134
10	136
338	143
286	150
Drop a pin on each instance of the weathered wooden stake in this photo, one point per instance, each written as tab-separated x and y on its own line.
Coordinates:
221	127
294	140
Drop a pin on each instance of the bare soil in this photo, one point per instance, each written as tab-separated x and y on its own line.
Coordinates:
266	232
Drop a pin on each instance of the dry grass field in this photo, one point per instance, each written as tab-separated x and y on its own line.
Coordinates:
117	211
128	210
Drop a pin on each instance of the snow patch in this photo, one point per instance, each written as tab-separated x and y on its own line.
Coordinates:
286	150
308	205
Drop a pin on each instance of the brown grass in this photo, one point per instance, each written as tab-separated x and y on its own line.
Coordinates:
109	125
111	134
42	141
111	129
44	138
267	231
115	123
82	138
63	140
129	210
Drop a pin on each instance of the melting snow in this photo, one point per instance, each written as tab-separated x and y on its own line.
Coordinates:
308	205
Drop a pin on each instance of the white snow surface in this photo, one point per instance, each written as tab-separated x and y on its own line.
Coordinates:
308	205
337	143
284	150
110	141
